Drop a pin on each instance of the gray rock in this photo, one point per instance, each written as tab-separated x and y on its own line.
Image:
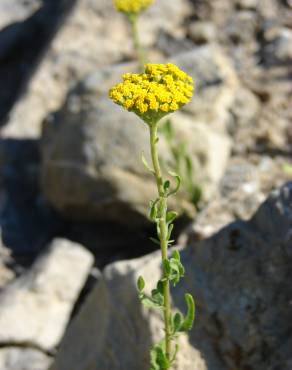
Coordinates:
94	36
36	307
216	83
202	32
113	331
14	358
103	176
241	280
16	10
283	48
247	4
208	148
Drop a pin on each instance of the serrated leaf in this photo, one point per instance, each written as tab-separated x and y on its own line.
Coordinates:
171	216
140	283
146	165
190	316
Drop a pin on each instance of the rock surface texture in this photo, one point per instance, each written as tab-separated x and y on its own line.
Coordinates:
103	177
241	280
35	308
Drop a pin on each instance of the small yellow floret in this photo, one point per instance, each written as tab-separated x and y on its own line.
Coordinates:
162	89
132	6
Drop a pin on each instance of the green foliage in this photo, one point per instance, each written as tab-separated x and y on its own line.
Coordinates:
162	355
158	359
182	163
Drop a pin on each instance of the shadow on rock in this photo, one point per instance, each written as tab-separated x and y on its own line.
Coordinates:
22	45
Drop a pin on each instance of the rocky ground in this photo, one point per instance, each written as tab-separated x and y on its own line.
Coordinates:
74	196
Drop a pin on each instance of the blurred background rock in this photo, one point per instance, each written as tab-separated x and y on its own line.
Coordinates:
72	186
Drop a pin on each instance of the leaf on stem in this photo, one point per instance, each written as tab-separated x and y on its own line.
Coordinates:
158	358
153	209
146	165
140	284
190	316
178	182
170	228
171	216
154	240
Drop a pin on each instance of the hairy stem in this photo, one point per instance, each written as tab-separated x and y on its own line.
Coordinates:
133	18
163	233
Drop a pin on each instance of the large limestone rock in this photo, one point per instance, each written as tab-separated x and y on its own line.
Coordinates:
241	280
103	177
36	307
113	331
216	84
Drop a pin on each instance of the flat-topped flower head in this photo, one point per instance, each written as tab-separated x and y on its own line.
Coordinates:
132	6
160	90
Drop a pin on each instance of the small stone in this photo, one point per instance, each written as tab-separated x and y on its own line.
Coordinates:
202	32
247	4
13	358
36	307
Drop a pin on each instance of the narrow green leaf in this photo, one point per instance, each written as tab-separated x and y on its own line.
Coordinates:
153	209
157	297
189	167
140	283
196	194
159	286
176	255
177	321
148	302
161	359
170	228
153	360
146	165
178	182
166	185
171	216
158	227
190	316
154	240
166	267
174	354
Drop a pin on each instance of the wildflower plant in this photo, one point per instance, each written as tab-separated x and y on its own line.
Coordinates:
132	9
160	90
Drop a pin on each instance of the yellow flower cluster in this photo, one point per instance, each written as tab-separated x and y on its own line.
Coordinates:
132	6
162	89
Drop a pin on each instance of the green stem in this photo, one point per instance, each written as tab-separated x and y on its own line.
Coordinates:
163	234
133	18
